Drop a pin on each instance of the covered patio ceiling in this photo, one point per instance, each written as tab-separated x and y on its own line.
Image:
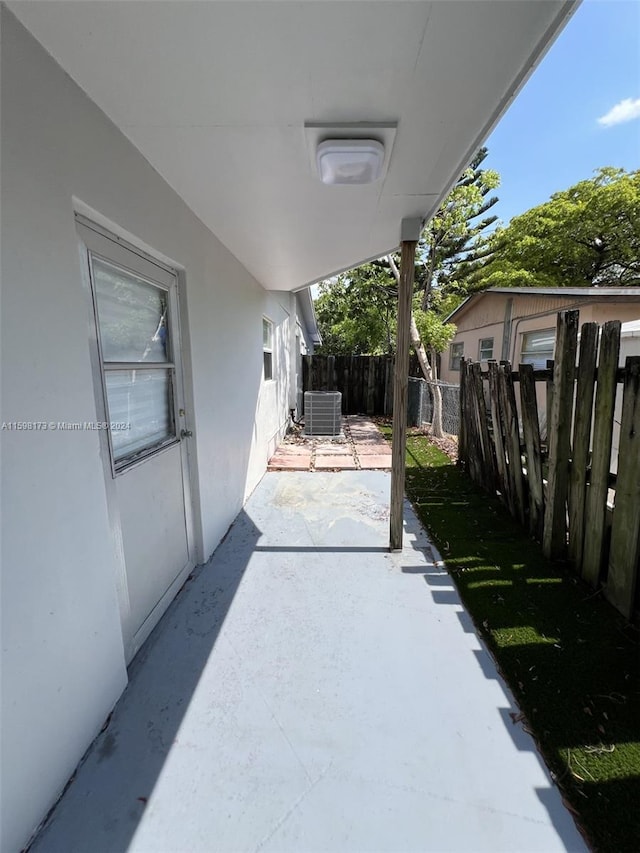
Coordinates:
216	96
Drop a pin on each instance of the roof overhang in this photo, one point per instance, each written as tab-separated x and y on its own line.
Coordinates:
308	315
219	97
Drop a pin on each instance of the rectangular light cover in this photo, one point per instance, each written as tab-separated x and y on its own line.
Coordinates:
350	161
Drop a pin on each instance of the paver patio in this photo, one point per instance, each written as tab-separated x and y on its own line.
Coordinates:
362	447
310	691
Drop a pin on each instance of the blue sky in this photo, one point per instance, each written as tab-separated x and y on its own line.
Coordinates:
550	138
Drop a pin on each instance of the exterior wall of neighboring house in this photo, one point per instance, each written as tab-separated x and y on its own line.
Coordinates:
485	320
64	652
506	320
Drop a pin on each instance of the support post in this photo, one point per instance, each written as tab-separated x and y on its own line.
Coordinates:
410	235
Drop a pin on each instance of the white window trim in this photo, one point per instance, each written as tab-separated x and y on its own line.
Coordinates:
480	348
108	247
268	348
524	354
453	356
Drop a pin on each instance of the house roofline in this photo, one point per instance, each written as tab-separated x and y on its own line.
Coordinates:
590	293
308	313
568	291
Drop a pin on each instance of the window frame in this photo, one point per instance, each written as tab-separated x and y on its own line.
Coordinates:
267	349
482	349
551	331
453	356
115	252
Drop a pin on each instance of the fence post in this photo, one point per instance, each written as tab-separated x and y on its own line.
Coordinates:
533	453
596	503
554	540
399	441
585	386
625	530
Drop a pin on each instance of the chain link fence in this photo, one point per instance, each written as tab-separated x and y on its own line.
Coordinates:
422	399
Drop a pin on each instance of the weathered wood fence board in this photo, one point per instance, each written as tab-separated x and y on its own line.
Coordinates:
497	424
470	416
563	491
486	448
624	556
596	506
512	437
533	449
585	387
554	539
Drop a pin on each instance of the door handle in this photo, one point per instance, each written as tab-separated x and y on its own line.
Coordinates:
185	433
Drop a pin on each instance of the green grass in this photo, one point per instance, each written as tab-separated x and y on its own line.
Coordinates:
571	661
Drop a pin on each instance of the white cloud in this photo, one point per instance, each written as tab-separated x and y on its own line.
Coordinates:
625	110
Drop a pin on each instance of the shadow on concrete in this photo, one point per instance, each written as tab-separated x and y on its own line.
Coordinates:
444	591
106	799
104	806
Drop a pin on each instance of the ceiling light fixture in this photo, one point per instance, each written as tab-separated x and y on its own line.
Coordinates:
350	161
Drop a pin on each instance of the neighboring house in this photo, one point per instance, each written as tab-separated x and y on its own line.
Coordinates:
162	220
518	324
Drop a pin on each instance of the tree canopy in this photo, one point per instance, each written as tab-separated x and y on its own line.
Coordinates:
587	235
357	310
454	243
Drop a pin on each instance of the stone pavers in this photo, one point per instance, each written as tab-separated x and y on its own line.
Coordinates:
291	457
363	447
334	462
375	462
324	448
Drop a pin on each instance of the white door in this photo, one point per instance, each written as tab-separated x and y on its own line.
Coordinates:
139	395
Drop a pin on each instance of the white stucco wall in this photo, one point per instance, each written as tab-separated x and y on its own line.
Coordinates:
63	666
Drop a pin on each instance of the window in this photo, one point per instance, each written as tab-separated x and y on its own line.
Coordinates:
537	347
135	359
485	349
457	351
267	347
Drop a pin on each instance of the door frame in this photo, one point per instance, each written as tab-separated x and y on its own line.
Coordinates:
133	638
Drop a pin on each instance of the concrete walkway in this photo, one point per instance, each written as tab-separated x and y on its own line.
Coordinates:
310	691
362	447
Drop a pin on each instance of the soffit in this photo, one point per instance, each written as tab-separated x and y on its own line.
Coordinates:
216	95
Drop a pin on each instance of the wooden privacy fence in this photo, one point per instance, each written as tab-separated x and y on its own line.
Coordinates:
366	381
564	489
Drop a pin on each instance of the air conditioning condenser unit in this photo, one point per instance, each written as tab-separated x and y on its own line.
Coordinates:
322	413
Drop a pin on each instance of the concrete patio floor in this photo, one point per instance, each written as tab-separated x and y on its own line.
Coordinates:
310	691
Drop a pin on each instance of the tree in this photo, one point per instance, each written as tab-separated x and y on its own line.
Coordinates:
587	235
454	243
357	312
453	246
